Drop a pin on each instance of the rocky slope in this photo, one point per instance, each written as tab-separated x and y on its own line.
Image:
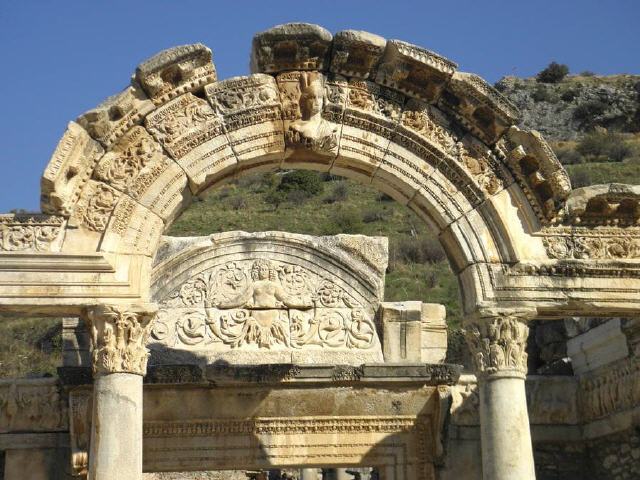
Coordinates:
577	104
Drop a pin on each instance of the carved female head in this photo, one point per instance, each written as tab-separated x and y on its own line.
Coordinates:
263	270
311	96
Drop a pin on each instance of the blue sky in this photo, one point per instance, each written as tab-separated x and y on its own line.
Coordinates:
60	58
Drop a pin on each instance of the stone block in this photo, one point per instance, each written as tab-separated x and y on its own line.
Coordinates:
137	166
356	53
37	464
292	46
132	229
599	346
413	332
252	116
402	331
117	114
433	346
175	71
375	110
68	170
415	71
194	135
479	106
76	345
269	297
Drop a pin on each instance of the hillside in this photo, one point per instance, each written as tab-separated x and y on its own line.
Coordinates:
591	122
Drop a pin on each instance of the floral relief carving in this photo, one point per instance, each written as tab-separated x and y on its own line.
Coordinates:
478	163
423	119
136	155
594	247
263	304
95	214
118	339
498	344
29	233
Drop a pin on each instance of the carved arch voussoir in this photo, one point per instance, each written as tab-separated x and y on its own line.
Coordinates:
384	112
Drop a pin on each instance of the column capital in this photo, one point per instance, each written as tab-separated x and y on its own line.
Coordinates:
498	344
119	335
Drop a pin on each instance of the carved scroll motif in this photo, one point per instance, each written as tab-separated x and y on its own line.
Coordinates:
498	344
119	338
264	304
596	247
29	232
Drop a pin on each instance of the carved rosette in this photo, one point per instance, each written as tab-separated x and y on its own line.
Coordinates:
498	345
118	338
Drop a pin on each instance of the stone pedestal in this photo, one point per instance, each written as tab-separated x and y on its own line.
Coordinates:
498	346
119	360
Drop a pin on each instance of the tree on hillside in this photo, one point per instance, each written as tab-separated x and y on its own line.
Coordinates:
554	73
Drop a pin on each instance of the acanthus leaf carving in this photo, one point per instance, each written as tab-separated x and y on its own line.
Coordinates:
119	337
498	344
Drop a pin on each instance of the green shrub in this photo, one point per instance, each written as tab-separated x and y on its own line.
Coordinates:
339	193
554	73
580	178
604	147
344	220
569	156
419	250
304	181
586	111
587	73
569	95
237	203
275	198
374	215
542	94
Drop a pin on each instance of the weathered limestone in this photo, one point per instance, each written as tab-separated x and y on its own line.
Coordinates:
603	344
356	53
309	474
175	71
498	346
293	46
270	297
382	112
414	332
116	437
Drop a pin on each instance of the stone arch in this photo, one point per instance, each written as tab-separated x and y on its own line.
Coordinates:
382	112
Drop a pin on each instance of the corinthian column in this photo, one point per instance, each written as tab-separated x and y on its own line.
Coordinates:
119	359
498	345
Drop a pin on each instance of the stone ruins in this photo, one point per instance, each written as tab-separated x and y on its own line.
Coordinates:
274	351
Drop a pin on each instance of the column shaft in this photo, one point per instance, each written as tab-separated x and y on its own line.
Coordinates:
116	436
498	345
504	424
